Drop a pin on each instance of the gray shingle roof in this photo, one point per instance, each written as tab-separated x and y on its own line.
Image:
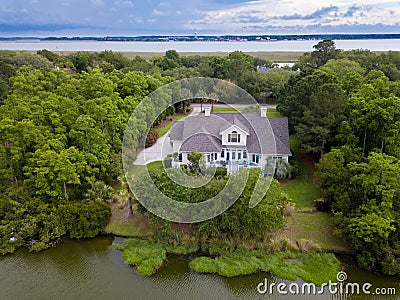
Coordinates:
235	122
176	133
202	142
264	137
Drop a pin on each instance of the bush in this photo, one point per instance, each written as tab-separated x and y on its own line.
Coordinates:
220	172
294	168
168	161
85	220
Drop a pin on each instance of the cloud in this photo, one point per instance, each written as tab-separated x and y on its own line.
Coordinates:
319	13
97	2
134	17
295	16
124	3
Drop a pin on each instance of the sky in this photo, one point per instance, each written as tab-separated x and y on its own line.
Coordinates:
206	17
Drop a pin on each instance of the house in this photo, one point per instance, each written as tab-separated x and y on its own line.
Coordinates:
233	140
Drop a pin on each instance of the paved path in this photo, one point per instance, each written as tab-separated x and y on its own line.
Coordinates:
161	148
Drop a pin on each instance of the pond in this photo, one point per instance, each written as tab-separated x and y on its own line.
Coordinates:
91	269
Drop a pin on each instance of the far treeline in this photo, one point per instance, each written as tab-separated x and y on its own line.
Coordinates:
62	119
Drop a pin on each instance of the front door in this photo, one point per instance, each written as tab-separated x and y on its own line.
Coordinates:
233	155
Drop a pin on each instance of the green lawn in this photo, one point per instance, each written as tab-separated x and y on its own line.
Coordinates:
306	223
316	227
226	110
155	166
160	131
121	225
302	190
273	113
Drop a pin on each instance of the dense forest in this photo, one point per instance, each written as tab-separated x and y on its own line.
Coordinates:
344	107
61	125
62	119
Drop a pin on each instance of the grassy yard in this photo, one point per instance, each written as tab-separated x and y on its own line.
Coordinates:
306	223
136	226
226	110
273	113
164	127
302	190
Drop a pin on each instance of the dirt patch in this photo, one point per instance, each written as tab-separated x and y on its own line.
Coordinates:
187	228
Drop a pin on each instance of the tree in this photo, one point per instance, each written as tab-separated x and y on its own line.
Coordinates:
318	126
362	193
196	159
324	51
298	94
238	64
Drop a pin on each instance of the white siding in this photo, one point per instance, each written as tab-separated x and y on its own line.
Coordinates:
243	137
176	145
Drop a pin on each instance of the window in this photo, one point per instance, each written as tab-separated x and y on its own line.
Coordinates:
215	156
239	155
180	157
222	153
234	137
255	158
244	154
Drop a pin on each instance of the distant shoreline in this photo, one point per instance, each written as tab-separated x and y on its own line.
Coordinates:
277	51
213	38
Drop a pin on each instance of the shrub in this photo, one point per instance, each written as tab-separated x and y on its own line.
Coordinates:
220	172
85	220
168	161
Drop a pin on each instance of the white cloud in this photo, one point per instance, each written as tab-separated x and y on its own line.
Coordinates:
124	3
298	14
97	2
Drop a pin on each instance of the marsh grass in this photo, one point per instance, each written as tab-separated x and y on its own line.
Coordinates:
147	257
312	267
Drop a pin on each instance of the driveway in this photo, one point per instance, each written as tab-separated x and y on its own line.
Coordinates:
161	148
239	106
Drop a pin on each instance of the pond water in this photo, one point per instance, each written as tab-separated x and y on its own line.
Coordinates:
91	269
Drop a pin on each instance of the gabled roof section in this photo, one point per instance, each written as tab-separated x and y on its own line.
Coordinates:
236	122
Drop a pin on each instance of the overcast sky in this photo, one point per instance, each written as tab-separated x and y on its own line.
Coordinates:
149	17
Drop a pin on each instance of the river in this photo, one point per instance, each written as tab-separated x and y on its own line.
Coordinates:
197	46
91	269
